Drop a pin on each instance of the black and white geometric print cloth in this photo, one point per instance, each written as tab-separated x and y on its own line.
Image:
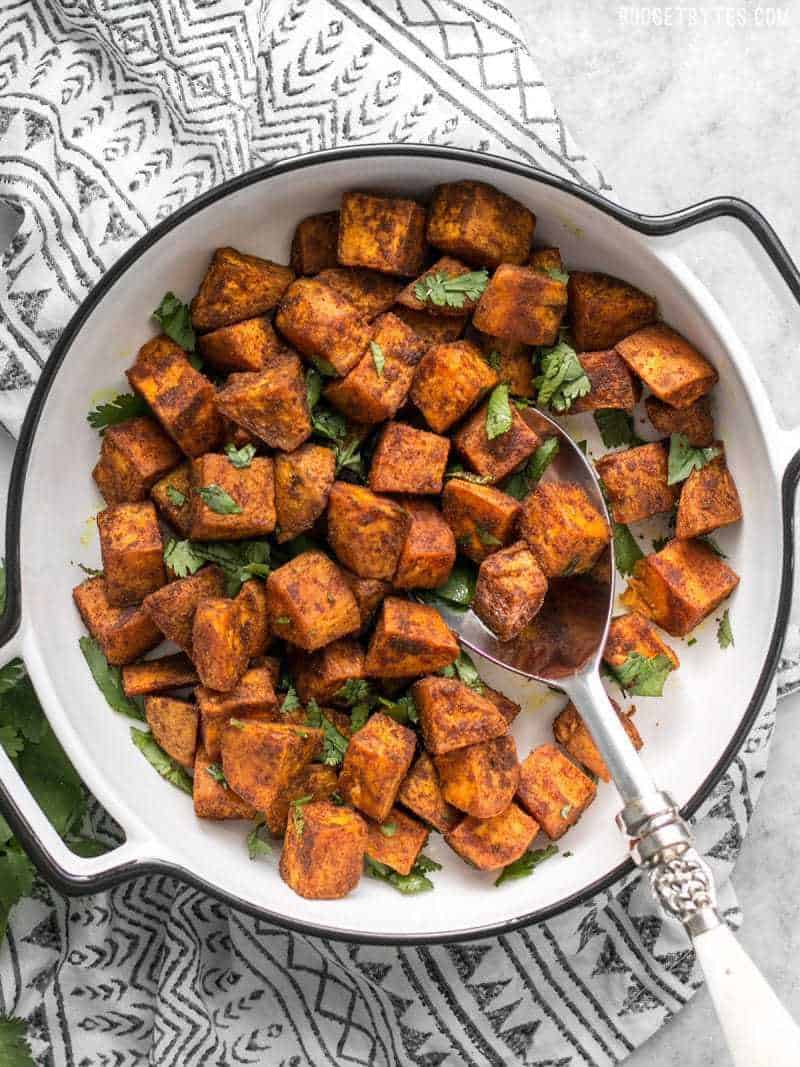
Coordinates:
113	113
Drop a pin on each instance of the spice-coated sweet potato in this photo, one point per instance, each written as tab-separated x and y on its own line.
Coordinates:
158	675
303	481
446	267
213	799
563	528
323	852
603	310
679	586
219	643
452	715
507	708
490	844
254	697
316	781
261	760
511	361
483	519
668	365
387	234
133	456
546	259
372	293
449	382
511	589
709	499
173	606
236	435
133	552
322	675
696	421
421	792
407	460
181	398
254	619
522	304
613	385
271	404
433	329
553	790
479	224
410	639
245	346
124	634
314	244
375	763
173	724
429	550
366	531
172	495
480	779
321	322
237	286
251	488
632	632
396	842
570	730
636	482
495	458
369	592
309	602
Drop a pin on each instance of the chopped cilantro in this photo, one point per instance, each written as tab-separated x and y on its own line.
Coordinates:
443	291
388	829
563	378
176	321
626	550
526	864
685	458
158	758
175	496
122	408
498	412
414	882
256	845
240	457
616	428
378	357
108	679
725	631
215	497
641	675
217	773
291	702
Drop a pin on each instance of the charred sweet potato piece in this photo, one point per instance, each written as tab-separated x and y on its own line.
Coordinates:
323	674
449	381
480	779
510	591
133	456
604	309
553	790
366	531
563	528
219	643
433	329
372	293
271	404
123	634
709	499
570	730
323	852
396	842
376	762
172	495
385	233
303	481
429	550
421	792
320	322
636	482
482	518
172	607
237	286
369	592
522	304
180	397
254	619
696	422
490	844
309	602
479	224
245	346
410	639
261	760
546	259
453	716
507	708
613	385
133	552
251	488
511	361
446	267
158	675
679	586
173	724
495	458
212	799
314	244
632	632
672	368
407	460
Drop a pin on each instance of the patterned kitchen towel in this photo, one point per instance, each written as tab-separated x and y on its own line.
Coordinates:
113	113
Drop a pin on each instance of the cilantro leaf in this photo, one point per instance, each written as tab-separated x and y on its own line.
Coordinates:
313	387
526	864
457	471
408	884
334	744
176	321
378	357
297	812
108	679
256	845
123	407
358	717
725	631
238	560
643	676
493	358
11	740
443	291
175	496
563	378
388	829
326	369
626	550
685	458
616	427
556	274
466	671
498	412
486	537
14	1048
332	426
11	675
291	702
402	710
215	497
525	481
457	593
217	773
53	781
712	544
355	691
158	758
240	457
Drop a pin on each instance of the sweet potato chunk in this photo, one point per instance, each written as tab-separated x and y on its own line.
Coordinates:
553	790
603	310
510	591
387	234
173	724
479	224
261	760
376	762
315	781
563	528
123	634
546	259
672	368
133	456
303	480
613	385
409	639
172	607
212	800
453	716
570	730
636	482
490	844
507	708
158	675
237	286
366	531
322	675
314	243
253	697
133	552
396	842
482	518
433	329
480	779
219	643
679	586
696	421
406	460
449	381
320	322
421	792
369	592
445	267
180	397
522	304
254	620
511	361
245	346
495	458
252	490
429	550
323	853
172	495
271	404
709	500
372	293
632	632
309	602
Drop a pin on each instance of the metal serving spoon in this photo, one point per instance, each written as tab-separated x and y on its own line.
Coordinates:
563	650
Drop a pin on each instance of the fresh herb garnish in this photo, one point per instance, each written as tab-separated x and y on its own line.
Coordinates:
158	758
388	829
358	717
282	620
256	845
175	496
414	882
313	387
725	631
626	550
526	864
498	412
457	593
240	457
93	572
332	426
14	1048
354	691
176	321
326	369
334	743
642	675
402	710
297	812
524	481
215	497
108	679
122	408
556	274
685	458
443	291
494	359
691	641
455	470
564	813
616	428
486	537
238	560
291	702
217	773
563	378
378	357
465	670
712	544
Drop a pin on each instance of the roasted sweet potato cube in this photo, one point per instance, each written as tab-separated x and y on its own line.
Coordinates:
123	634
522	304
490	844
261	760
172	495
510	591
603	310
632	632
316	781
369	592
321	322
385	233
672	368
237	435
636	482
613	385
482	518
366	531
553	790
453	716
158	675
303	481
421	792
133	552
495	458
429	551
546	259
396	842
446	267
219	643
376	762
212	728
570	730
407	460
379	383
133	456
480	779
181	398
323	674
410	639
212	799
271	404
479	224
309	602
511	361
173	724
449	382
563	528
679	586
237	286
251	489
323	852
709	499
433	329
370	291
245	346
696	422
314	243
253	697
254	619
172	607
507	708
